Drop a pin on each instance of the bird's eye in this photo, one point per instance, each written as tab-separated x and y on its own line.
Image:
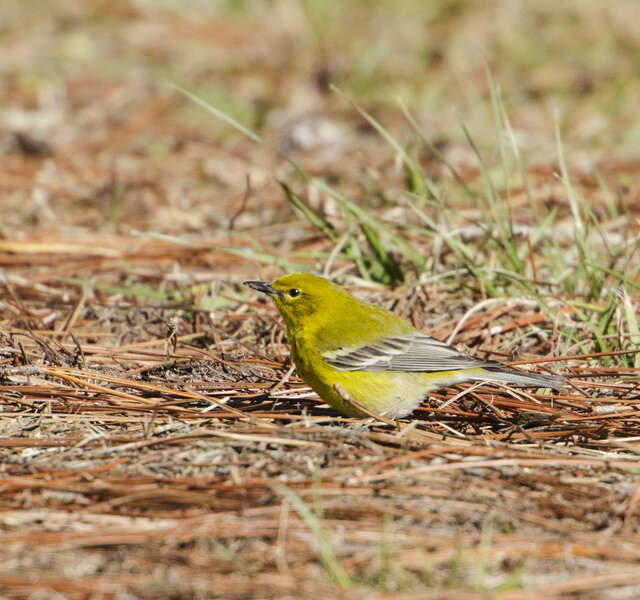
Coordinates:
293	292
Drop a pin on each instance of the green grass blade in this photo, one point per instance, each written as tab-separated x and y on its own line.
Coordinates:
630	316
329	560
221	115
388	263
312	215
456	175
420	183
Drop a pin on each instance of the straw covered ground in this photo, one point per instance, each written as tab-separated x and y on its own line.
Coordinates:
471	166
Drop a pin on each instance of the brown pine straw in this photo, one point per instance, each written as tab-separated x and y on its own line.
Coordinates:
141	436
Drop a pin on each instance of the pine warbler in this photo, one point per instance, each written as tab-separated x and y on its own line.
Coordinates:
347	349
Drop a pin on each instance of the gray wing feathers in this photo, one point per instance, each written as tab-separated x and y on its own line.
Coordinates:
506	375
421	353
405	353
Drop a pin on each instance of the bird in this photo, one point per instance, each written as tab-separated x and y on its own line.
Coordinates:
361	358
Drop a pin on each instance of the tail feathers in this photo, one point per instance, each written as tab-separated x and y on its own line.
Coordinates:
519	377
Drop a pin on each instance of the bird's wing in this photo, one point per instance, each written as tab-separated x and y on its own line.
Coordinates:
411	352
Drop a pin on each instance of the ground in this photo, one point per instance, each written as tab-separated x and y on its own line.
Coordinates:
470	165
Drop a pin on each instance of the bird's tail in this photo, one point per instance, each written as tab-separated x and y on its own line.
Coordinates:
519	377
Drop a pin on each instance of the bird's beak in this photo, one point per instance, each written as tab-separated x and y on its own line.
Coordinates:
262	286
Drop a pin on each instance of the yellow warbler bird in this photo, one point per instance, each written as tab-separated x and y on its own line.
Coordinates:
347	349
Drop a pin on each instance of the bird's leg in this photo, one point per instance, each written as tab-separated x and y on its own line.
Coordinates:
349	401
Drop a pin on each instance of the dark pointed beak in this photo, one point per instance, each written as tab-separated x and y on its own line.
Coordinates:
262	286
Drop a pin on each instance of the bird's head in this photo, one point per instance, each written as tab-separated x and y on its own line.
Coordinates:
301	297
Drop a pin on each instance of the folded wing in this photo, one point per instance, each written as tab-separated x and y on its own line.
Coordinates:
421	353
413	352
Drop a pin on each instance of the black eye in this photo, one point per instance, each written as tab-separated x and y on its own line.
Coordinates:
293	292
